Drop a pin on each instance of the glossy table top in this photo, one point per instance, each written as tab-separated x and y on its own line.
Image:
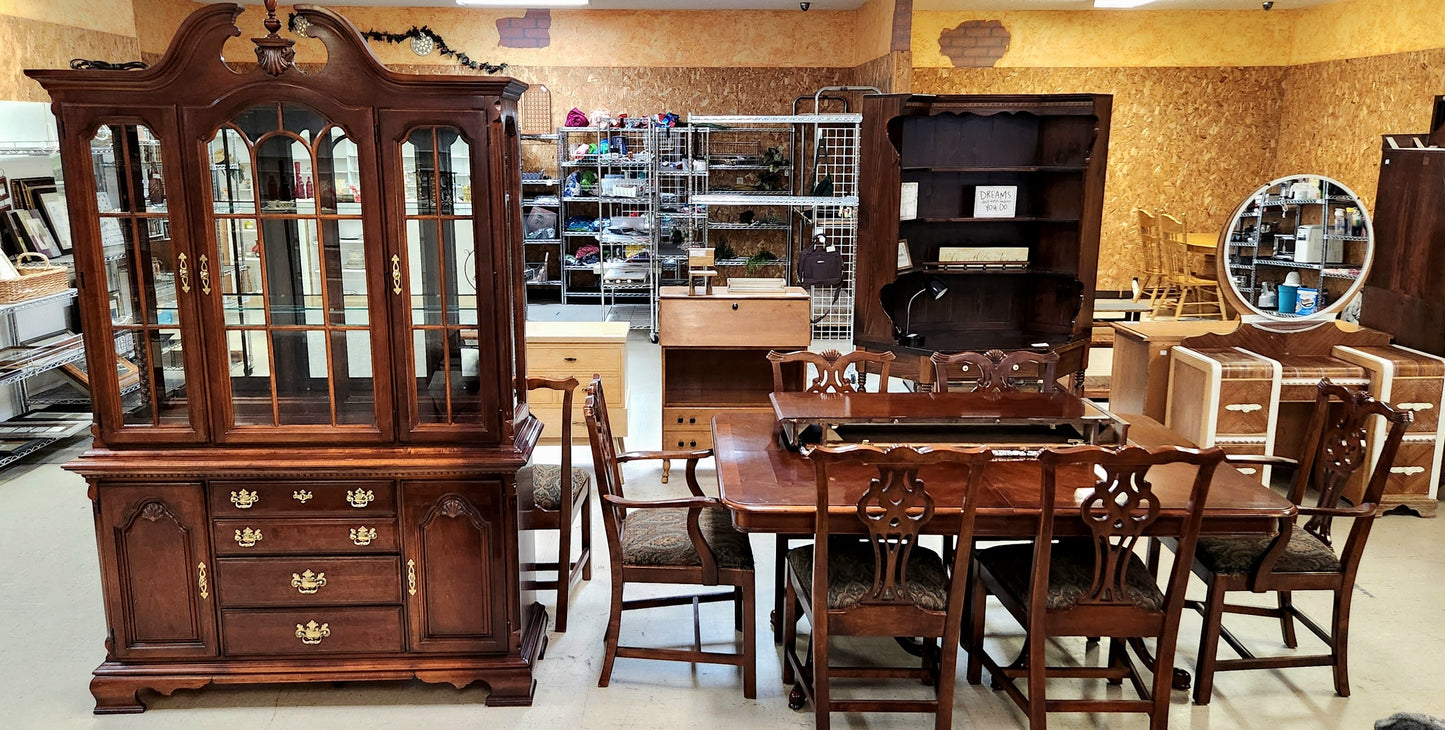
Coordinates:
771	489
935	407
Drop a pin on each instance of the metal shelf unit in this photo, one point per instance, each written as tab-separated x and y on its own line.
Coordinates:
543	255
818	146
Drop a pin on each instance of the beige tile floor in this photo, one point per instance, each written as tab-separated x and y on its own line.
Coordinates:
51	633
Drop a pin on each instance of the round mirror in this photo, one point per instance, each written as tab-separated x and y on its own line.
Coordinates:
1296	250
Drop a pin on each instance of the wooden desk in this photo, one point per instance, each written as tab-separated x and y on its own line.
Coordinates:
771	489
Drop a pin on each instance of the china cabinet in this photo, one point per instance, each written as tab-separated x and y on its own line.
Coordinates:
322	278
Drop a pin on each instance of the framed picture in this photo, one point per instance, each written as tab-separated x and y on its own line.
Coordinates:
4	193
40	239
905	259
125	372
24	189
57	217
11	239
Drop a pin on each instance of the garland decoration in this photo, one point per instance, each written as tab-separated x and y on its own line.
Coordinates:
421	35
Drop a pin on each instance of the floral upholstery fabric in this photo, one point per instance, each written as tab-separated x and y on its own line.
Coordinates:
1232	555
851	571
659	537
546	480
1071	572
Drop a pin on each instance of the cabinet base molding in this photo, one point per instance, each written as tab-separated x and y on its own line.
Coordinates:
1422	505
116	686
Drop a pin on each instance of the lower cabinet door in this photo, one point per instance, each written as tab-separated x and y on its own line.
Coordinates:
457	573
159	577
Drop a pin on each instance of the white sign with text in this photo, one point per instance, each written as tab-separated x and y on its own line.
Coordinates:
995	201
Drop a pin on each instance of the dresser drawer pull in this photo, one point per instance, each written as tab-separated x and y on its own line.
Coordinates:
1248	471
362	536
1406	470
1416	406
359	498
411	577
311	634
201	580
307	582
301	495
569	359
1244	407
248	537
244	499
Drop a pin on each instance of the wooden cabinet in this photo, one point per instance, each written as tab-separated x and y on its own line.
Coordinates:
1050	151
580	350
315	480
714	355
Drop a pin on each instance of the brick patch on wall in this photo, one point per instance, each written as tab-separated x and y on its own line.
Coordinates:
974	43
529	31
902	26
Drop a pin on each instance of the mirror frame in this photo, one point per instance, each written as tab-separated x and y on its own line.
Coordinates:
1248	310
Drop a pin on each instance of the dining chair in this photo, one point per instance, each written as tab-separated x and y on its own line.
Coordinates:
1155	280
1301	557
830	375
997	370
831	370
1206	299
681	541
1093	585
885	585
554	497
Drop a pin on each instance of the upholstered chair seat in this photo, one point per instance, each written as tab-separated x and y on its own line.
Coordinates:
851	575
659	537
1242	555
545	482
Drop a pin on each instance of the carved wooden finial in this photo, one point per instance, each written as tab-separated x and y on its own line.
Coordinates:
274	54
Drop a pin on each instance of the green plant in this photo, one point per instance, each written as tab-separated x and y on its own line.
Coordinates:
722	251
758	260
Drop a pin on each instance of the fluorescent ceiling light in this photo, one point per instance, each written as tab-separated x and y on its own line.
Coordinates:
1106	3
522	3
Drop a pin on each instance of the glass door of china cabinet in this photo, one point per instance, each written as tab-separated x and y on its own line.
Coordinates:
441	277
292	278
144	374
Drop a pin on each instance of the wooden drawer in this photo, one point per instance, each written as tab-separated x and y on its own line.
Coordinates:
375	630
241	499
1410	474
1420	396
1243	407
254	582
723	320
1251	449
688	418
686	439
580	360
292	536
612	382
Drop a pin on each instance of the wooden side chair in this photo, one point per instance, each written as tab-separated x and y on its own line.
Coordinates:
885	585
554	497
996	370
1195	296
684	541
1155	280
1301	558
831	369
1095	585
830	376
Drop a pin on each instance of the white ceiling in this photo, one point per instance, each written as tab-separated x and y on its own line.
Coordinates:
848	4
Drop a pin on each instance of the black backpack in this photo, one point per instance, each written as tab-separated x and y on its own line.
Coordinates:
819	265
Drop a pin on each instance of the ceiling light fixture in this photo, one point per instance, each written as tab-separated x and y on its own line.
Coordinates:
522	3
1113	4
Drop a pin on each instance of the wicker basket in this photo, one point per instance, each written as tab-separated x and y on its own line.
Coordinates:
36	280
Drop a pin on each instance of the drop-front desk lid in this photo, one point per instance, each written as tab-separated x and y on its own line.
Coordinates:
1016	421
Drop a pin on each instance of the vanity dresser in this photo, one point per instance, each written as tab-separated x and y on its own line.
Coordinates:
1250	390
320	285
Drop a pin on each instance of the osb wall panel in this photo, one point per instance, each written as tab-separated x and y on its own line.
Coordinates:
875	28
116	18
1359	28
36	44
1193	141
156	22
1335	113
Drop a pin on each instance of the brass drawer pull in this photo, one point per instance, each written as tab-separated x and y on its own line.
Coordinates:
396	273
307	582
362	536
205	275
359	497
1406	470
248	537
312	634
201	580
411	577
301	495
244	499
1244	407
